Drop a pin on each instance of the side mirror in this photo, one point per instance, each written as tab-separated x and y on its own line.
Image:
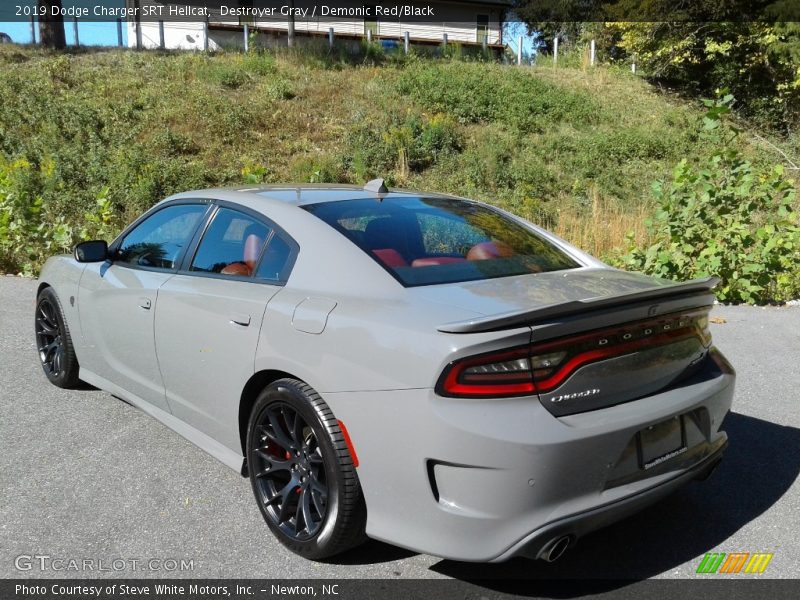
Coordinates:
93	251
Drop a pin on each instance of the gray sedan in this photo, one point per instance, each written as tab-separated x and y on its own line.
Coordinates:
417	368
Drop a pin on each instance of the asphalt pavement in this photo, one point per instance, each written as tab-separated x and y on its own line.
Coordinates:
86	477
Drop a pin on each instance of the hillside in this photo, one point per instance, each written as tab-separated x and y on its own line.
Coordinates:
111	132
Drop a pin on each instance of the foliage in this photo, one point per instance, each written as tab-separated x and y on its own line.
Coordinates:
97	137
26	239
727	219
405	145
757	61
472	93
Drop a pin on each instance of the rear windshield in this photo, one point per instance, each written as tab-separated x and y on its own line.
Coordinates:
424	241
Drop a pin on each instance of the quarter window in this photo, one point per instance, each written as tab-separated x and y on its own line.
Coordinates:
158	241
275	263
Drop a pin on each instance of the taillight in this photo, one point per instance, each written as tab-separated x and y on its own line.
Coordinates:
539	368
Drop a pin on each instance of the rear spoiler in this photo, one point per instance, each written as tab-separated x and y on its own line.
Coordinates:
548	312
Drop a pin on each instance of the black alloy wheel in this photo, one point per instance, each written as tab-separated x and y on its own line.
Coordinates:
289	471
53	341
302	472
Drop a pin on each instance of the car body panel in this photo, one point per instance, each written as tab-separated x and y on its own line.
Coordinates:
531	292
207	331
504	467
117	307
464	478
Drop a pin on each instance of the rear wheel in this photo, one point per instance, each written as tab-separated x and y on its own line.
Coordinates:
302	473
53	341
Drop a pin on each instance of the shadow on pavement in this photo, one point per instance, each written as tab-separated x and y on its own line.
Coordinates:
370	553
758	468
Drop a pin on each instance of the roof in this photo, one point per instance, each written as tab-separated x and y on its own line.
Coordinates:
313	194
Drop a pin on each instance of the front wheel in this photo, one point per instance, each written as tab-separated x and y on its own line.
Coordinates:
53	341
302	473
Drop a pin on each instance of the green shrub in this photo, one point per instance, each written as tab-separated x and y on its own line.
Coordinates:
727	219
475	93
27	238
316	169
404	145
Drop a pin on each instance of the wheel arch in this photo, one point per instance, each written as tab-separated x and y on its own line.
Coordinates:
257	382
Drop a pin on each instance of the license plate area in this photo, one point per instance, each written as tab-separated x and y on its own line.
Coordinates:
658	443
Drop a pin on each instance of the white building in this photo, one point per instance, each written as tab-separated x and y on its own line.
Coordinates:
469	23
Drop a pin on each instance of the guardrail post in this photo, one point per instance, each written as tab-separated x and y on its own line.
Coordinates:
407	41
246	37
519	50
161	41
119	33
591	53
555	51
369	36
205	35
330	37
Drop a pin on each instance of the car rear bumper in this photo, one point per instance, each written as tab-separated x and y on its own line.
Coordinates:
576	526
487	479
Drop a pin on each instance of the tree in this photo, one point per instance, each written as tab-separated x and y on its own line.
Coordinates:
758	61
51	26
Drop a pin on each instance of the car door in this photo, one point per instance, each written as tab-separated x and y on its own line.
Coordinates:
117	299
209	319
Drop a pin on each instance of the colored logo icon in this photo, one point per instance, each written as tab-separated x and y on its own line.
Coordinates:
735	562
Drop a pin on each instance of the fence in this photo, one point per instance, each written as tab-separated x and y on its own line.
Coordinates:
516	47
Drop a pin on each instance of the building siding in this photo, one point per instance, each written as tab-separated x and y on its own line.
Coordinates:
458	21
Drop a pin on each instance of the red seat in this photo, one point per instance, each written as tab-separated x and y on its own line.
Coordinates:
390	257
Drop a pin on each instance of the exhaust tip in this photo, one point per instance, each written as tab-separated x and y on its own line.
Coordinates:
555	549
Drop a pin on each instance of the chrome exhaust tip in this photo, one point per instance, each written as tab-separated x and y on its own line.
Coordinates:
555	549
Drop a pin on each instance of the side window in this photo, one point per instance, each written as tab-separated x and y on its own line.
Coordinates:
231	245
157	241
275	263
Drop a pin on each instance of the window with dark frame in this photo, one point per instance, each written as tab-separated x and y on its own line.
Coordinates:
482	29
157	242
231	245
371	22
249	20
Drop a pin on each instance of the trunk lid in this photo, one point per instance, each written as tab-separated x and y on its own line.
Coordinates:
599	337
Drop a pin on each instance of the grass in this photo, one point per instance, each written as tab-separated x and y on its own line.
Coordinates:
574	149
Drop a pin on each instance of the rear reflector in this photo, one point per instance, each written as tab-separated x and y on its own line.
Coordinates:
539	368
349	443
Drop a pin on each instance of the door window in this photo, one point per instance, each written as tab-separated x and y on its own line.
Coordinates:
159	240
232	244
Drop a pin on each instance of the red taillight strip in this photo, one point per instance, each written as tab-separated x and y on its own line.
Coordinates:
452	387
584	358
449	384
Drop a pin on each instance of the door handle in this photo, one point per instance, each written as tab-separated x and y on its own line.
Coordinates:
240	319
145	303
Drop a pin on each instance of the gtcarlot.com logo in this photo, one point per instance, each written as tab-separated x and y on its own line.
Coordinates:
45	562
736	562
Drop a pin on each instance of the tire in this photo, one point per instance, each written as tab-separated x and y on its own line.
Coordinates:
53	341
302	473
